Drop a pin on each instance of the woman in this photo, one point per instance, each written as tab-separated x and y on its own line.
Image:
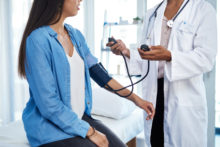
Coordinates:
183	43
56	61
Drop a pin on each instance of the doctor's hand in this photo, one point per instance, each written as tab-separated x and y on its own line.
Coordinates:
146	106
119	47
97	138
156	53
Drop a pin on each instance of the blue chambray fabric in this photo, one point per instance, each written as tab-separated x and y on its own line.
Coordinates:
48	116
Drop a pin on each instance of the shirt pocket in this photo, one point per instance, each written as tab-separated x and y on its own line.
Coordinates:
185	34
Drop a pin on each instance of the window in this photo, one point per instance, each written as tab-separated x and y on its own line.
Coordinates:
152	3
117	15
19	15
217	118
13	18
14	92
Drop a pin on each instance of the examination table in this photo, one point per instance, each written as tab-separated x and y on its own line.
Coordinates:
126	127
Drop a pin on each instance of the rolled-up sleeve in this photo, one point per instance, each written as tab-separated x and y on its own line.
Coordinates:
90	59
45	90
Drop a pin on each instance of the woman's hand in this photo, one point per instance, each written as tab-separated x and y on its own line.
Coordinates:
156	53
97	138
146	106
119	47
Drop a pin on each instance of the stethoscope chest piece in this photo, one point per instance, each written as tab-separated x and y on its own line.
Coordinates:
170	23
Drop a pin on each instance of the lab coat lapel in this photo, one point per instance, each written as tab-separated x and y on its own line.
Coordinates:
182	18
158	26
158	23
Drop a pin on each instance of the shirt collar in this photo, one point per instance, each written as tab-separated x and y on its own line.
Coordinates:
54	34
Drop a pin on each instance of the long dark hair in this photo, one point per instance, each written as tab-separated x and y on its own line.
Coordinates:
43	12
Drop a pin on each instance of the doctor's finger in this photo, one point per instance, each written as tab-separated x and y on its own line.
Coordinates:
120	48
152	53
147	55
115	46
151	107
148	117
156	47
150	57
109	44
115	51
141	52
122	43
148	112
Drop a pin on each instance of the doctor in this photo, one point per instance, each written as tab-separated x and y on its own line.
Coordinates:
183	45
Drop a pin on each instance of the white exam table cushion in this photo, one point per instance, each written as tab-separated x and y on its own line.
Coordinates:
110	105
126	128
13	135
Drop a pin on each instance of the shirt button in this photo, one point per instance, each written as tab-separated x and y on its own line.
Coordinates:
88	103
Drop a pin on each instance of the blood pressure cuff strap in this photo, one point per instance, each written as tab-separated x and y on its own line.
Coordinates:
99	74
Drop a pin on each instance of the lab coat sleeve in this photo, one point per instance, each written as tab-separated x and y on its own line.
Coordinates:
201	58
135	62
45	90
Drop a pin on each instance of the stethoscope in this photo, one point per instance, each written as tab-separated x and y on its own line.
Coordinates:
154	15
170	25
169	22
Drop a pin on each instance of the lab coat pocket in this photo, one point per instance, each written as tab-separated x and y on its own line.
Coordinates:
185	34
186	28
187	126
190	97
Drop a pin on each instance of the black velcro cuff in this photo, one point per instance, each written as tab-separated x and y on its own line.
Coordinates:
99	74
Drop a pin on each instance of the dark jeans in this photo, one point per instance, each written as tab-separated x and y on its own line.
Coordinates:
157	132
113	140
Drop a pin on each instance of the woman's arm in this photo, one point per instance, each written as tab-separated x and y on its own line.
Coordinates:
145	105
101	77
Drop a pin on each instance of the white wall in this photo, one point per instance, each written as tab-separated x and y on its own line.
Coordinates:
209	79
5	84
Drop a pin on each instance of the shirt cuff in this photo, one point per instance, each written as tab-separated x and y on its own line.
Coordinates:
83	128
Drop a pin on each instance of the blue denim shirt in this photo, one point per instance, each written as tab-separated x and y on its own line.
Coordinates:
48	115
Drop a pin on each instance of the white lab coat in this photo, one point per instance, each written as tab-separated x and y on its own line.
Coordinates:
193	45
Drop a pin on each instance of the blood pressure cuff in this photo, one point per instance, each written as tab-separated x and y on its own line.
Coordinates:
99	74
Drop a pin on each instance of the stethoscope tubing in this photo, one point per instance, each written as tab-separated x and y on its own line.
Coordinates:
148	69
129	76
